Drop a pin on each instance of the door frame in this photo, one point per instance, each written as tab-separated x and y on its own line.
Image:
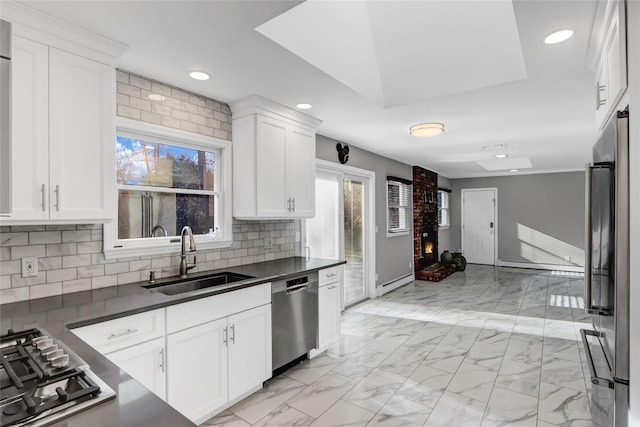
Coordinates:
370	220
495	218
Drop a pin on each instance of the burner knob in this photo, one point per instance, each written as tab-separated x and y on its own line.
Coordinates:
52	355
60	361
45	350
42	342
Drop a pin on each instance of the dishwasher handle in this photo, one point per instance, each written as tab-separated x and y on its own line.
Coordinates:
297	288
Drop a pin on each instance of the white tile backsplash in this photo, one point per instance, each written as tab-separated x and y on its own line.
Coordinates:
79	264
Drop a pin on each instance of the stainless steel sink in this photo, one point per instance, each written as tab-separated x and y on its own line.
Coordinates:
197	283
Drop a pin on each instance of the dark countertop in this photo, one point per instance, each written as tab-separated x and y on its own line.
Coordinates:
134	405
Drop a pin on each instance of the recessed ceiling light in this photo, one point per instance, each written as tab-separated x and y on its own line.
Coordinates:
501	156
558	36
156	97
424	130
513	170
199	75
304	106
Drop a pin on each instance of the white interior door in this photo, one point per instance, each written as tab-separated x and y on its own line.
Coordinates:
479	225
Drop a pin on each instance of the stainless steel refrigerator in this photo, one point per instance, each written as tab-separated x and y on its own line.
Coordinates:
607	274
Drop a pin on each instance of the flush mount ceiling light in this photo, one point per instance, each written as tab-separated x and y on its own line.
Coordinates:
501	156
513	170
425	130
199	75
156	97
304	106
558	36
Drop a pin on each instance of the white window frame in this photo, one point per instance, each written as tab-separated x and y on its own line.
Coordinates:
117	248
409	228
445	194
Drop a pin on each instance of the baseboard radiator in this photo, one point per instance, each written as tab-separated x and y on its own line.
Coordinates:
395	284
537	266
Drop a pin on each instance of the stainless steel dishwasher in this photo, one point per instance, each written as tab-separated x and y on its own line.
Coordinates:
294	314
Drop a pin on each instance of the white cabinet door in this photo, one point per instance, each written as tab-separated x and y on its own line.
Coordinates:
197	366
30	130
249	349
272	199
81	137
329	314
300	169
146	363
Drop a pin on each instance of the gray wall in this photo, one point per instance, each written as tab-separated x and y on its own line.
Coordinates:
540	217
393	254
444	234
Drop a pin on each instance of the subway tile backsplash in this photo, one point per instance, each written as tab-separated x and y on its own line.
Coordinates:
70	257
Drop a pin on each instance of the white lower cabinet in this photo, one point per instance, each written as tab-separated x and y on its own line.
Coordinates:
200	356
197	363
146	363
249	350
329	307
214	363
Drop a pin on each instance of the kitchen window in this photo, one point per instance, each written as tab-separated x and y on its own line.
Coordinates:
443	208
167	179
399	206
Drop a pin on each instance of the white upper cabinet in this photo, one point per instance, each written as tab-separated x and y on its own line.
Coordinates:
81	137
273	161
608	56
63	130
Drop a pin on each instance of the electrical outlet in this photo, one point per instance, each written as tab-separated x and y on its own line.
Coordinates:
29	266
410	265
268	243
297	236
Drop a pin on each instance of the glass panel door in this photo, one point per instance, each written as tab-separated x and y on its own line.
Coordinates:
338	229
354	248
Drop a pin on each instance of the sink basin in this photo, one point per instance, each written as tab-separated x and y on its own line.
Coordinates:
197	283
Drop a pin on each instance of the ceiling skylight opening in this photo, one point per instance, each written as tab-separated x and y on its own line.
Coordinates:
558	36
199	75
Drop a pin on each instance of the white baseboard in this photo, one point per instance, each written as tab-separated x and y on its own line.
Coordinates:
556	267
395	284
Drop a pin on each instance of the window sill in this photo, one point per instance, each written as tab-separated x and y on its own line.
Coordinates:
164	249
400	233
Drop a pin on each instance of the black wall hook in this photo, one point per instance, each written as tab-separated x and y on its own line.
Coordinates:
343	153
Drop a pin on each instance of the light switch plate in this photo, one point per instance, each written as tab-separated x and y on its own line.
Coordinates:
29	266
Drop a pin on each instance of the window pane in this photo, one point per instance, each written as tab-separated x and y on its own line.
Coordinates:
140	213
393	190
159	165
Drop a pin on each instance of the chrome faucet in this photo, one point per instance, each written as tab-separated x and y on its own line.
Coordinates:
184	265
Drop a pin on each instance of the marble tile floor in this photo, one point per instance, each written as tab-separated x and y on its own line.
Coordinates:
485	347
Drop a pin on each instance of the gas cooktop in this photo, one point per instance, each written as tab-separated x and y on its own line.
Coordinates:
43	381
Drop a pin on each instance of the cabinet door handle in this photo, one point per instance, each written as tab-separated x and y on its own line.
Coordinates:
162	360
332	275
44	195
294	204
226	336
332	287
129	331
233	334
57	197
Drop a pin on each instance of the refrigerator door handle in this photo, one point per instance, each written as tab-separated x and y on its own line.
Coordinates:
588	244
595	379
589	308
